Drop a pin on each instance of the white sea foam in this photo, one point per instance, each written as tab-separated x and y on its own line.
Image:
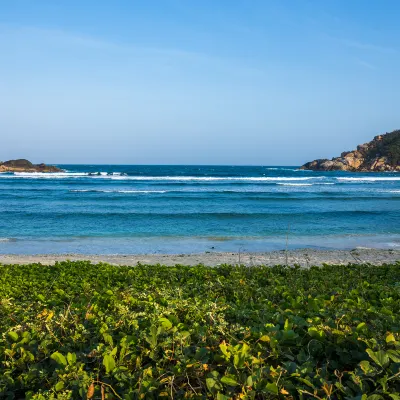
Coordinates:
295	184
50	173
117	191
58	175
118	176
369	179
212	178
53	175
141	191
104	174
393	244
281	169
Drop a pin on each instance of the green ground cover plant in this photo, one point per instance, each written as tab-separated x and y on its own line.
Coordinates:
82	331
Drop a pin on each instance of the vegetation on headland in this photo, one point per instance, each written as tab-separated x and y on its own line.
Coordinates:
77	330
389	146
380	154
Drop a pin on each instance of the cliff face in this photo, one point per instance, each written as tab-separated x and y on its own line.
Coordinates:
26	166
380	154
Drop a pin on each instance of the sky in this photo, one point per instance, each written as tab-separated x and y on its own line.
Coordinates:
261	82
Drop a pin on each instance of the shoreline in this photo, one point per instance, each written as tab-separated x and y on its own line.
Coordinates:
301	257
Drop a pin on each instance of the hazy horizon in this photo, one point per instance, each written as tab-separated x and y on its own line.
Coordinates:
199	83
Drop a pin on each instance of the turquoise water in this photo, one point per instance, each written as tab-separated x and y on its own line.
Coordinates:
114	209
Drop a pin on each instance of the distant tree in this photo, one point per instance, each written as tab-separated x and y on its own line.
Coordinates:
388	146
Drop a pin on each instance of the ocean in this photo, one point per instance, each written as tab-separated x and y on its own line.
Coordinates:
126	209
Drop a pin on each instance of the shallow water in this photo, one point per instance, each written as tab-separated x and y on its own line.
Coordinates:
183	209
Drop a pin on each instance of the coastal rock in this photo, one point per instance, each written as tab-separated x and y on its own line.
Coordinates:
23	165
18	164
379	155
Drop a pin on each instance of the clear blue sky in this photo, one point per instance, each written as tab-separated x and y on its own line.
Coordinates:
196	81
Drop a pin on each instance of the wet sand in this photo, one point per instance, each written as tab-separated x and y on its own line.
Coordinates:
301	257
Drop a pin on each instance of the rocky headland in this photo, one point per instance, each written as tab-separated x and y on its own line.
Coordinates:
26	166
379	155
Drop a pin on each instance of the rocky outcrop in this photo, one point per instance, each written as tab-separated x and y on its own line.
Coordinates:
379	155
26	166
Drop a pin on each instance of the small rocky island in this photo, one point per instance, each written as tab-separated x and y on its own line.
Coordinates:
379	155
26	166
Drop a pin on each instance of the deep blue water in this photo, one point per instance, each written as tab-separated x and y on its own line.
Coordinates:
180	209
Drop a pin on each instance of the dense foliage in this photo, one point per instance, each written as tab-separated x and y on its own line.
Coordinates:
77	330
389	146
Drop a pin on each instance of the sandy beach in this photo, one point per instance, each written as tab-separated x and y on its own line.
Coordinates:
302	257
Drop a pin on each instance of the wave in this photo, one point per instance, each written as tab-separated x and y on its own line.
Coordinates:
295	184
393	244
48	174
215	178
118	176
306	184
59	175
183	214
117	191
369	179
283	169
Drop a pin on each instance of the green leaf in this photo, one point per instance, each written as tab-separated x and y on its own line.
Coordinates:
316	333
238	360
221	396
375	397
390	338
394	355
165	323
108	338
245	350
307	382
59	386
229	380
367	367
383	383
185	334
213	385
109	363
272	388
152	338
59	358
287	326
13	336
379	357
362	326
224	349
289	335
71	358
114	351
